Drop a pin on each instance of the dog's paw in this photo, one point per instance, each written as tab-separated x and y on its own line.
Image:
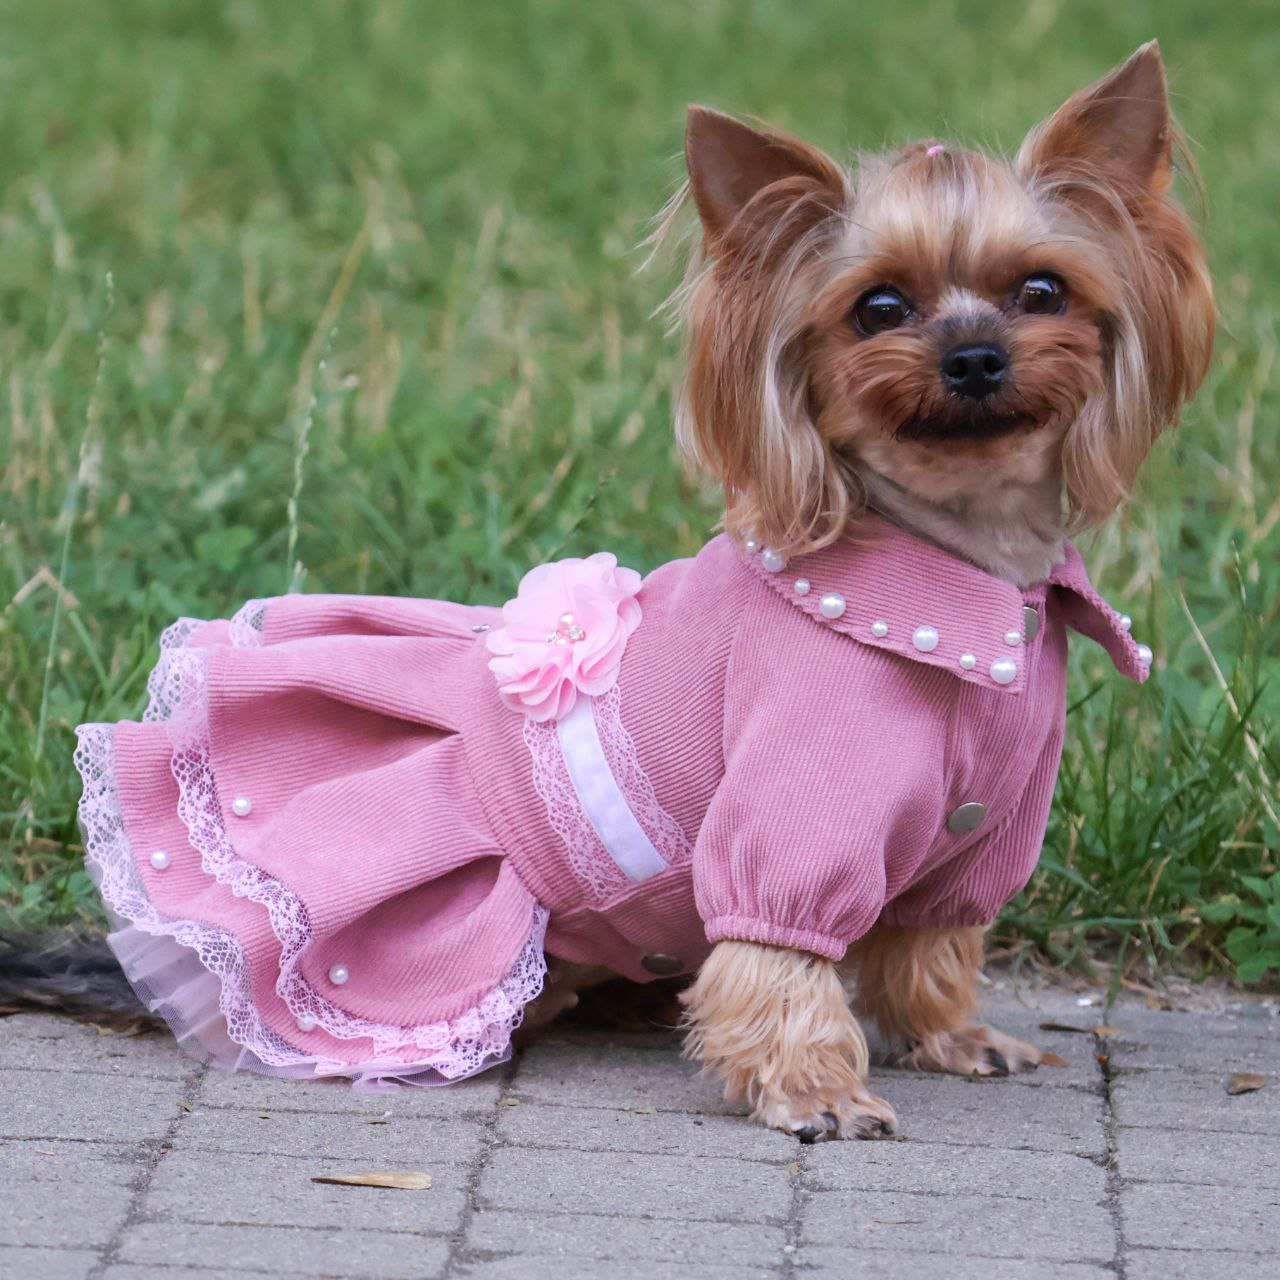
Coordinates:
819	1118
980	1051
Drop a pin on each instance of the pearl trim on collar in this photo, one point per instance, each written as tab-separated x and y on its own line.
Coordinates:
924	637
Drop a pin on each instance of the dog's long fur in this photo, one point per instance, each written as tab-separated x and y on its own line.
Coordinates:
806	418
777	1025
920	988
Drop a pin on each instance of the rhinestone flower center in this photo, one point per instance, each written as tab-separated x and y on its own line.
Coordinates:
567	631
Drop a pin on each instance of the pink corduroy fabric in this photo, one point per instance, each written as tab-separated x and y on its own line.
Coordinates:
330	808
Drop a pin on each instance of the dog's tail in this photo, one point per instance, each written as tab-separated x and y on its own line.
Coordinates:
75	974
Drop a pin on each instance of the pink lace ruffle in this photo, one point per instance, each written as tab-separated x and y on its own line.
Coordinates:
588	856
433	1052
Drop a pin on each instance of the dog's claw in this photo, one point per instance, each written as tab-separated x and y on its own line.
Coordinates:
870	1128
976	1051
860	1115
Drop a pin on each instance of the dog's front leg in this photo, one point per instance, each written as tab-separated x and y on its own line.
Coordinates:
777	1026
920	987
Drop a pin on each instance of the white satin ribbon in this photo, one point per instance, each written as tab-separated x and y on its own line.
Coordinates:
601	797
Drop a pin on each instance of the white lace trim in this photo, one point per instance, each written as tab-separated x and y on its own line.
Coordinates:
248	625
589	857
178	697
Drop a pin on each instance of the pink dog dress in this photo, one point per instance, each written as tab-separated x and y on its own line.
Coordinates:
348	829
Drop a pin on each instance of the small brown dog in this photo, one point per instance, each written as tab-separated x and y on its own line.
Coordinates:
336	849
983	351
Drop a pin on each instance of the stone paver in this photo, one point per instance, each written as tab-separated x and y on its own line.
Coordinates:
906	1263
309	1250
46	1264
1197	1217
1170	1264
942	1169
518	1268
78	1216
658	1240
607	1156
200	1186
960	1223
612	1183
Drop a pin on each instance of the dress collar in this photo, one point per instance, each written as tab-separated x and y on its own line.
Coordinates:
891	590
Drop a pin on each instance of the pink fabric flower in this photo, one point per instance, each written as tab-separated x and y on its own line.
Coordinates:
564	633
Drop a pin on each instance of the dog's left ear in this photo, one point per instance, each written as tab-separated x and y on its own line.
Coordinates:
1118	130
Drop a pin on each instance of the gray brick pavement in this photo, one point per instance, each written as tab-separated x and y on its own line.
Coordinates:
608	1156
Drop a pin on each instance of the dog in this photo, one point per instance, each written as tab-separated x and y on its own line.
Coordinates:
817	757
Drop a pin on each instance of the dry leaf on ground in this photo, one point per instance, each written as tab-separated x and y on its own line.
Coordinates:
1052	1060
399	1179
1245	1082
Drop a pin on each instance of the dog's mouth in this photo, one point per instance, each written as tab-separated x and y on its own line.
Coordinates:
974	425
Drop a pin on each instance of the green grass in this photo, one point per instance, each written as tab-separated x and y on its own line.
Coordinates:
404	235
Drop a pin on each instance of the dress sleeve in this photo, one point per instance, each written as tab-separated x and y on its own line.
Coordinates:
971	889
834	751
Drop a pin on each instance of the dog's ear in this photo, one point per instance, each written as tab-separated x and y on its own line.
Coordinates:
770	206
730	164
1107	154
1117	130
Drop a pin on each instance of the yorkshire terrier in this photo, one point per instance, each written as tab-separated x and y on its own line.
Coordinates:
333	849
981	350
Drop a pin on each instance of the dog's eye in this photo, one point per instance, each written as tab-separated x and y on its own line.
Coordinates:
1043	295
880	309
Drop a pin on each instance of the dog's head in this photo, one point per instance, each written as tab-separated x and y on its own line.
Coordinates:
940	317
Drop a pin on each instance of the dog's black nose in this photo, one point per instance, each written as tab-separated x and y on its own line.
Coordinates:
975	369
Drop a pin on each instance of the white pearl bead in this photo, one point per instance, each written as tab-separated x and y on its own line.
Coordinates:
968	661
306	1024
338	974
1013	637
772	560
831	605
1004	671
925	639
802	586
242	806
752	546
159	859
1125	622
880	628
1144	655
